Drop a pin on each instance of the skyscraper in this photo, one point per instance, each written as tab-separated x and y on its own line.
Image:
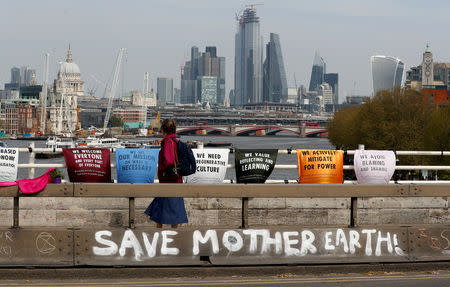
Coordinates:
318	69
275	88
205	64
387	73
28	74
195	55
207	87
15	75
333	80
248	59
164	91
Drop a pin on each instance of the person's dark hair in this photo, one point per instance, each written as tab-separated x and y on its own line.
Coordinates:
168	126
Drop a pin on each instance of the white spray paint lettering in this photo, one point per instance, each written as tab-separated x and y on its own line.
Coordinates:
130	240
288	249
232	241
150	247
257	241
165	240
209	235
368	233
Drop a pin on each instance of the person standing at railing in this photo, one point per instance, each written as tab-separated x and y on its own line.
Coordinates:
168	210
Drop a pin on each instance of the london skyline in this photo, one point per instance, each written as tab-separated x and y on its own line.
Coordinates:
158	36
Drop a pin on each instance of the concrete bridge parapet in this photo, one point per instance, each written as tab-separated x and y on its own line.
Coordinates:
297	224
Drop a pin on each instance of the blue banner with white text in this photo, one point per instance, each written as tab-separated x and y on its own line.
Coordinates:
136	165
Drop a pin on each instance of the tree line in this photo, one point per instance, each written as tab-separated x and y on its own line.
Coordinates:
394	120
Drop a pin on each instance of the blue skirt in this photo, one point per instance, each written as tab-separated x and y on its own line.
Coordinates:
167	210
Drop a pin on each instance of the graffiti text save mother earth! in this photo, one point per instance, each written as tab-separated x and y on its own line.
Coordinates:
255	242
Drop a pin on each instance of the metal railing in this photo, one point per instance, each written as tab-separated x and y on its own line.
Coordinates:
31	165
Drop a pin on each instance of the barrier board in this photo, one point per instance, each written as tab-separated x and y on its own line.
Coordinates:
36	247
187	246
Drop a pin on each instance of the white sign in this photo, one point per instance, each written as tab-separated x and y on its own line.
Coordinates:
9	160
374	166
211	166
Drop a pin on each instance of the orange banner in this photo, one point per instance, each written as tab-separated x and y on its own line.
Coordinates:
320	166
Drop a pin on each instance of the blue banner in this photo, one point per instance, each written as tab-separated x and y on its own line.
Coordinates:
136	165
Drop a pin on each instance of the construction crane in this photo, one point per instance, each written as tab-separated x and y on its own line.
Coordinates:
44	95
252	6
156	120
145	95
113	87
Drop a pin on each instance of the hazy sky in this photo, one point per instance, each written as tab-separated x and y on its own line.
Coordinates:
158	35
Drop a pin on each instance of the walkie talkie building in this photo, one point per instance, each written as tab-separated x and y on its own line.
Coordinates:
387	73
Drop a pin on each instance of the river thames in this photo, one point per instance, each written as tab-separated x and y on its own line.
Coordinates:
250	142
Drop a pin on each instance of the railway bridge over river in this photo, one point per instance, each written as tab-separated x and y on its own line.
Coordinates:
253	129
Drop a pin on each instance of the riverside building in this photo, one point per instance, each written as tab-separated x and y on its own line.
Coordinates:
63	99
432	78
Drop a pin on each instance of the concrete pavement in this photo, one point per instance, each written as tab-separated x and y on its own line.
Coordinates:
398	279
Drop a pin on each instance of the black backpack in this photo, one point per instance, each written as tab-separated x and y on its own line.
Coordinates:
184	160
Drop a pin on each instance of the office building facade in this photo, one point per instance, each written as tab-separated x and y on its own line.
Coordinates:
248	74
205	64
208	88
15	76
387	73
333	80
275	88
164	91
318	70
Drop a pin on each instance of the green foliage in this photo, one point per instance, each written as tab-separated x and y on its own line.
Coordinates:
392	120
437	131
437	137
56	173
115	121
341	130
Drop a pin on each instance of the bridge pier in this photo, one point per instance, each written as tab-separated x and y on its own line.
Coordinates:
260	132
232	129
302	130
201	132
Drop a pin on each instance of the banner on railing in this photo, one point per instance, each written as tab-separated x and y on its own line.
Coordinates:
320	166
136	165
211	166
9	160
374	166
88	164
254	166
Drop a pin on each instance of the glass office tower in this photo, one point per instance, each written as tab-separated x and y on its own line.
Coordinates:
318	69
387	73
248	68
275	83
